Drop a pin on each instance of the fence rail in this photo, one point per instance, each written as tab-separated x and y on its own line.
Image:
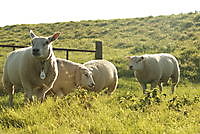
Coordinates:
98	51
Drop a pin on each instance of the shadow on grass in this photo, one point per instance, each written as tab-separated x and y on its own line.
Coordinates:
18	101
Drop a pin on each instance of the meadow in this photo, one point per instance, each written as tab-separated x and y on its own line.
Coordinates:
127	111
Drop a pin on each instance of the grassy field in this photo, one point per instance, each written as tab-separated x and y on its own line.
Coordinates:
127	111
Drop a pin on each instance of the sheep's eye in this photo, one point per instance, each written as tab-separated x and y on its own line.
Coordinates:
46	43
138	61
86	75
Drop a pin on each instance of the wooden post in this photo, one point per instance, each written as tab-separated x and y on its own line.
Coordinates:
67	54
98	54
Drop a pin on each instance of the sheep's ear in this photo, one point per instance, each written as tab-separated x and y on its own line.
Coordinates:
82	70
54	37
32	35
141	58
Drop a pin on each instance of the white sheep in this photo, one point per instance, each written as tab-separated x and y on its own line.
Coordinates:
104	74
155	69
71	75
33	68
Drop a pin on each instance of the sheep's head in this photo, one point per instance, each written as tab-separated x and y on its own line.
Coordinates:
41	46
136	62
85	78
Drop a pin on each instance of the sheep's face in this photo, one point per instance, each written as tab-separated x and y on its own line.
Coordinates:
136	62
41	46
86	79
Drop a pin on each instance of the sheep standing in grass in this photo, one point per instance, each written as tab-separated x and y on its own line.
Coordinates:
155	69
33	68
71	75
104	74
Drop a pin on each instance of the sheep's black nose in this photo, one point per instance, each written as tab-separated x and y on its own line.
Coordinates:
35	50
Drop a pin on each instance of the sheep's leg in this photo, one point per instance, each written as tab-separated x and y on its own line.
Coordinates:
173	87
57	93
154	84
144	87
11	91
175	80
160	87
28	97
50	93
28	91
8	86
41	94
112	88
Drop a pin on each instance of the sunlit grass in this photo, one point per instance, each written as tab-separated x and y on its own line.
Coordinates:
83	112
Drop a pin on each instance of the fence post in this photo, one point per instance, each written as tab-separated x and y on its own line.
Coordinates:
98	54
67	54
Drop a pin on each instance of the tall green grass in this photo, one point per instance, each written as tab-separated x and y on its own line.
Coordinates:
124	112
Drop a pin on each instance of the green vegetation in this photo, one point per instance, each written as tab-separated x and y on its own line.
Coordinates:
127	111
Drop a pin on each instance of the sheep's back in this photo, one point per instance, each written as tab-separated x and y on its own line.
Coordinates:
104	72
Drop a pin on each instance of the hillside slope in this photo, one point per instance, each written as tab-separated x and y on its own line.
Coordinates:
175	34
